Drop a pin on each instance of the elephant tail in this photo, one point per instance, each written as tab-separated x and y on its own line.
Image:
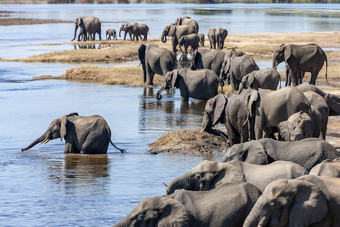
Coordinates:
326	66
121	150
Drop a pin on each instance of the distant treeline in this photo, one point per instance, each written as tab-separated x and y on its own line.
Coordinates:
160	1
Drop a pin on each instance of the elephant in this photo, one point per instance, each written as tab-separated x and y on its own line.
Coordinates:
123	27
319	113
266	79
333	101
137	30
198	84
111	33
205	59
202	39
298	126
176	32
227	205
300	59
188	21
269	108
212	38
155	59
89	134
235	66
89	26
209	174
191	40
217	36
233	113
327	168
307	152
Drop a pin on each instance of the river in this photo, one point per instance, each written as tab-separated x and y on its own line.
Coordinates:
45	187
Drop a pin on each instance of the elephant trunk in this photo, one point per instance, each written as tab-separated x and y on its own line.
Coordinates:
259	214
241	88
35	142
275	63
158	95
163	37
181	182
120	30
75	32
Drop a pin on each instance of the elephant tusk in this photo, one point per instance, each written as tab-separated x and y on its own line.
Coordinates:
203	129
245	122
46	141
42	142
165	184
139	64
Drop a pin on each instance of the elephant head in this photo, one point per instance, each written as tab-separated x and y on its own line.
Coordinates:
333	102
122	28
207	175
158	211
225	69
170	81
57	129
79	23
288	203
298	126
248	81
282	53
141	55
169	30
214	112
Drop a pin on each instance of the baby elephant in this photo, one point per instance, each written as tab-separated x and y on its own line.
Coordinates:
91	135
111	33
191	40
202	39
265	78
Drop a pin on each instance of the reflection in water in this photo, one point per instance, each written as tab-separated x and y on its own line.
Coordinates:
87	46
183	60
195	108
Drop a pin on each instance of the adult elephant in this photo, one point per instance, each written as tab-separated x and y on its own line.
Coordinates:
327	168
209	174
307	152
233	113
137	30
212	38
124	27
198	84
111	33
217	36
188	208
265	79
333	101
306	201
176	32
91	135
205	59
89	26
191	40
300	59
155	59
188	21
235	66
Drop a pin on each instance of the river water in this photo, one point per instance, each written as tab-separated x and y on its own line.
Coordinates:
43	186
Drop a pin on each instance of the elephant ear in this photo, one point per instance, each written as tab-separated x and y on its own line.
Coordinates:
63	130
288	49
251	83
251	101
309	205
172	30
220	103
256	155
174	79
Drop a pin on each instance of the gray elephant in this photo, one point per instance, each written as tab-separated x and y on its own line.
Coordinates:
265	79
188	21
327	168
205	59
202	39
233	113
307	152
298	126
217	36
89	26
111	33
191	40
235	66
319	113
123	27
137	30
269	108
306	201
333	101
209	174
91	135
201	84
300	59
176	32
212	38
189	208
155	59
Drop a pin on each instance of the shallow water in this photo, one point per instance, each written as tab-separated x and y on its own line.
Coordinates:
44	187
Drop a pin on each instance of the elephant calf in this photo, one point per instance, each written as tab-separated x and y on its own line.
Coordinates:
91	135
111	33
191	40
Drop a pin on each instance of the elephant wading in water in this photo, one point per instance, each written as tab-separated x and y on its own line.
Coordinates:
155	59
205	59
198	84
176	32
227	205
91	135
89	26
300	59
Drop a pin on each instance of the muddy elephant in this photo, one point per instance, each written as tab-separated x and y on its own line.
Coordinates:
111	33
327	168
319	113
202	39
191	40
235	66
176	32
307	152
300	59
298	126
188	21
188	208
155	59
89	26
233	113
265	79
198	84
306	201
209	174
333	101
90	135
124	27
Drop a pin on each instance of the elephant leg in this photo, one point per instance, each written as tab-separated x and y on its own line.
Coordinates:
184	94
233	83
232	135
70	148
174	44
313	78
